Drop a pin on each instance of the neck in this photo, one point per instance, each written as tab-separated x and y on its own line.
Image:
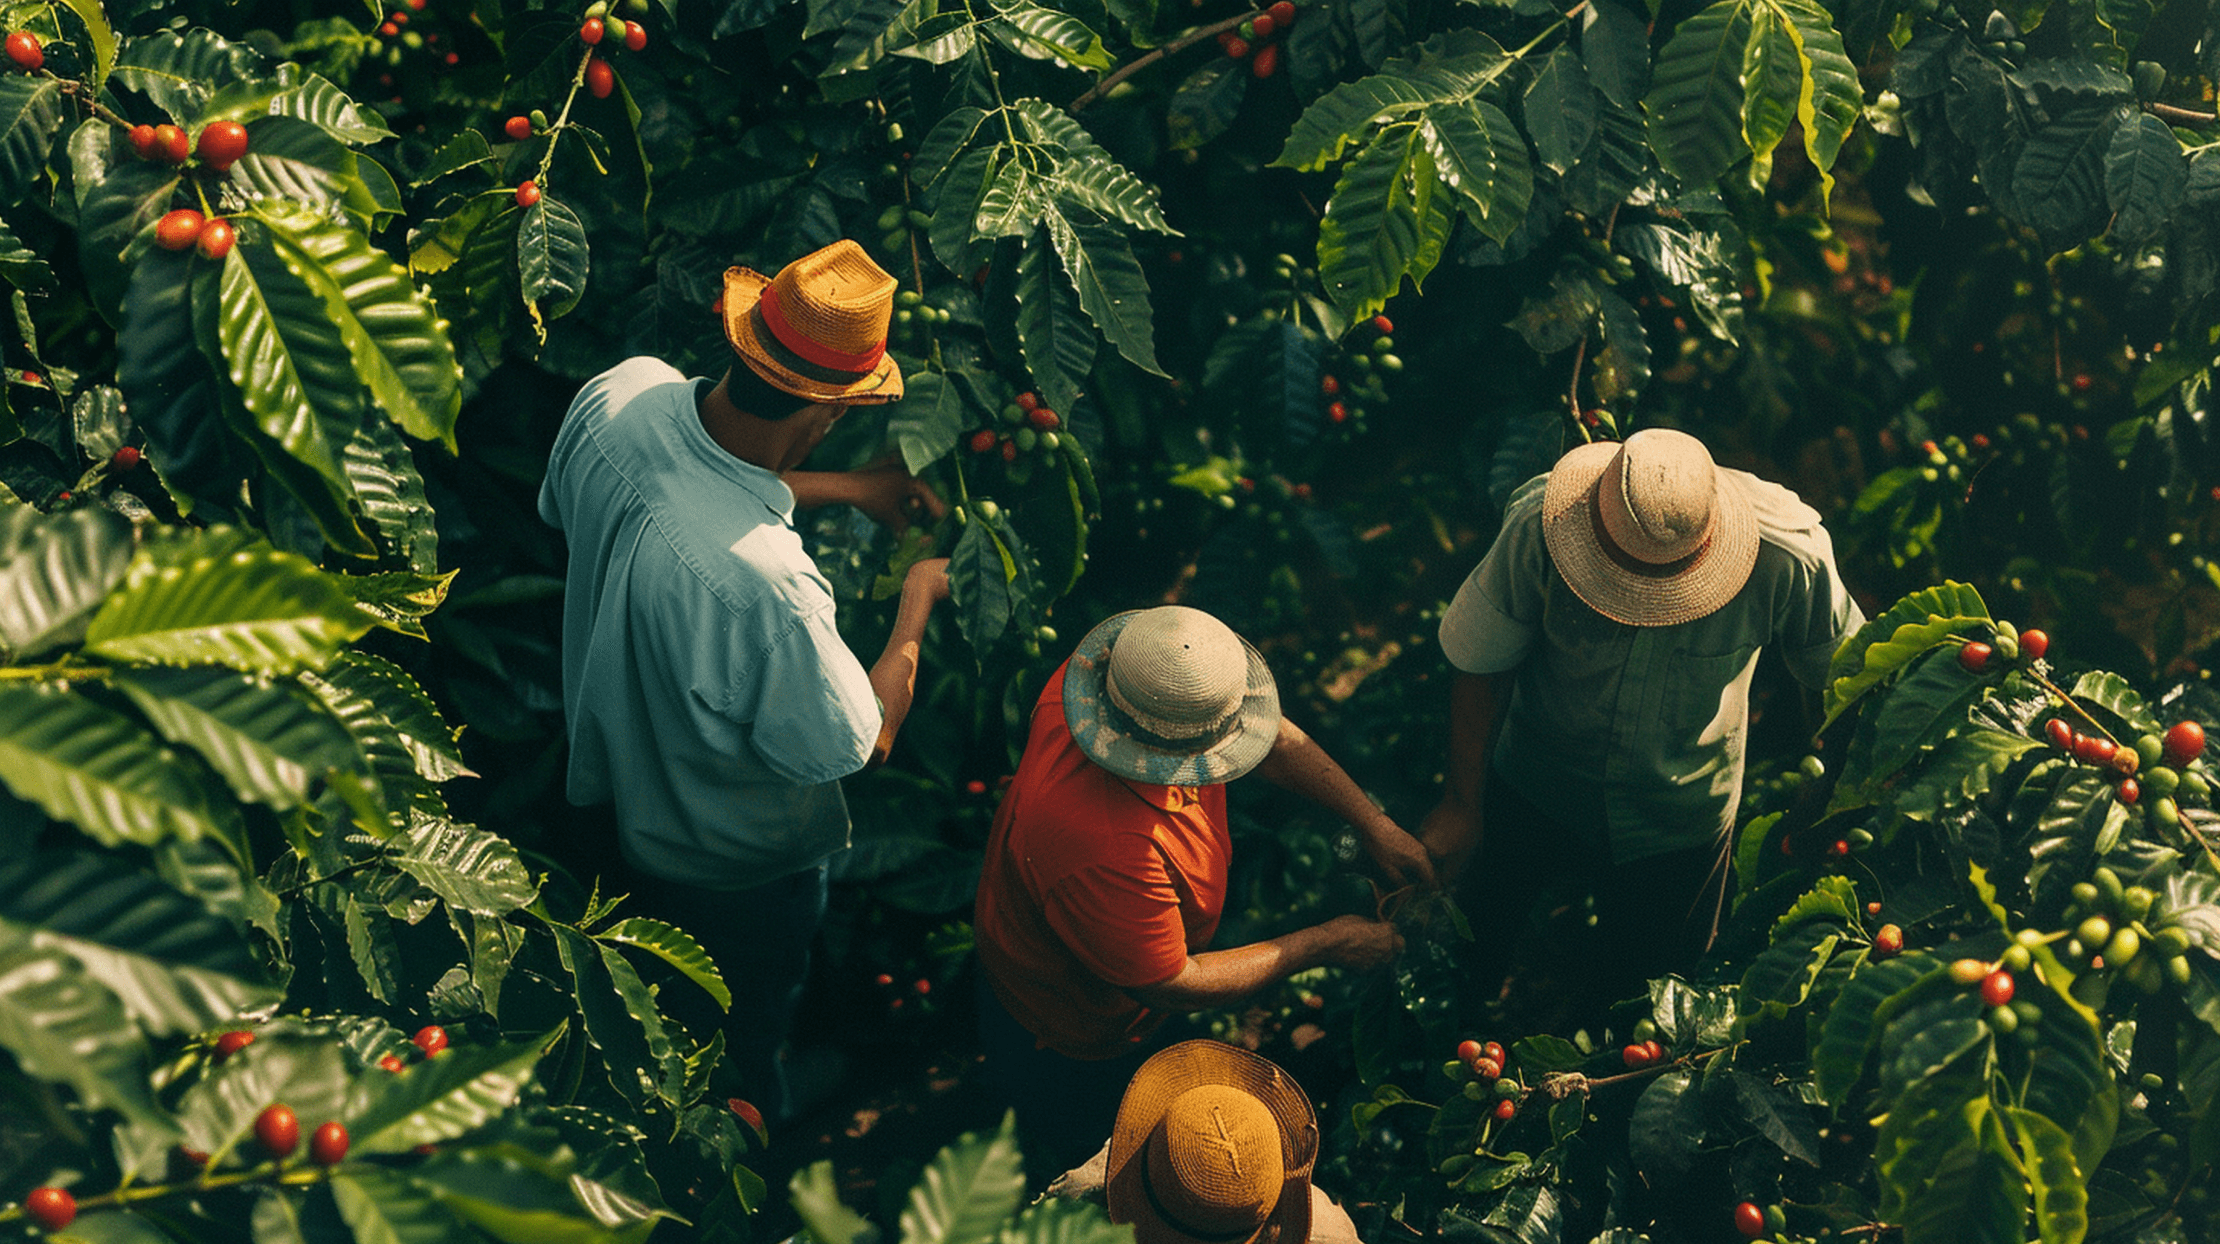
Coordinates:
774	446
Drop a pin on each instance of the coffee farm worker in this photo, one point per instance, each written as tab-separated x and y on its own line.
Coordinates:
706	688
1107	865
1605	647
1212	1145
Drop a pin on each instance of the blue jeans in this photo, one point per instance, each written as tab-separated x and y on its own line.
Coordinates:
760	939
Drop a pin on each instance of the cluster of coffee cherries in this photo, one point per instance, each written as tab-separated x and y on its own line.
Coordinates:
277	1129
897	994
394	29
1367	362
895	224
1254	39
2166	767
915	318
1033	427
2108	934
603	31
187	229
220	145
1757	1222
1644	1050
2007	644
1483	1068
1998	984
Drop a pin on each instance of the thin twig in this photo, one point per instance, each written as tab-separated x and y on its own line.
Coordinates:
2167	112
1181	44
84	96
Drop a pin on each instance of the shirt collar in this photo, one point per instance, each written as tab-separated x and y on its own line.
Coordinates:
1163	798
765	485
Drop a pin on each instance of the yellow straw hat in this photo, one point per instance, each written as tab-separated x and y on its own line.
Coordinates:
1213	1145
818	328
1649	532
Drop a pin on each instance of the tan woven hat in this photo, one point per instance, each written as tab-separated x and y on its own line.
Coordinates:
1650	532
818	328
1213	1145
1170	695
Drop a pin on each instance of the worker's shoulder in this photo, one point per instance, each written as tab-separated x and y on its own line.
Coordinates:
1780	512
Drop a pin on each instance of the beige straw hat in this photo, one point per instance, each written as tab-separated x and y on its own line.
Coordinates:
818	328
1213	1145
1172	696
1650	532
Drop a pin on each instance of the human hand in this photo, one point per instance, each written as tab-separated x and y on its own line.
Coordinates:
1450	833
1355	942
927	580
1403	858
893	498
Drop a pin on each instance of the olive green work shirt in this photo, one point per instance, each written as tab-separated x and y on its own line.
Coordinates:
1637	732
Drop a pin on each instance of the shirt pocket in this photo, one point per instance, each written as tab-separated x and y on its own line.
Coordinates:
1706	701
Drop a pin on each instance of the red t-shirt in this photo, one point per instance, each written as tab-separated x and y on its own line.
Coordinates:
1094	884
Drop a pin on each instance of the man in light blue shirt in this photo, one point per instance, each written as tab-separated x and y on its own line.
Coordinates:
705	684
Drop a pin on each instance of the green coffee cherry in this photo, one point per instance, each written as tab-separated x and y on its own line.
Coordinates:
2007	649
988	510
1476	1091
2171	942
2135	902
1455	1070
596	9
2193	785
2147	750
2016	958
920	220
1812	767
2029	1013
1506	1087
1049	440
1456	1164
539	120
895	240
1045	633
2123	949
894	131
2003	1020
2095	931
2160	780
2177	970
1026	439
1013	414
2085	893
2108	883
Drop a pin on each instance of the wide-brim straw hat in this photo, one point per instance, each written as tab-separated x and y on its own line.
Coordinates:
1650	532
1194	1140
1171	696
818	328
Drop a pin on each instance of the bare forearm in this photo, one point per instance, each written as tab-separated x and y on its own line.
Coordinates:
1297	763
815	488
1224	977
1475	708
894	675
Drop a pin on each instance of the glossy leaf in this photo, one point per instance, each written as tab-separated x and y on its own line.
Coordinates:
383	1206
62	1027
1921	708
99	771
1696	94
1846	1035
816	1198
310	98
929	420
1666	1127
288	361
1374	227
466	867
981	572
1479	154
1112	290
1206	103
674	946
256	609
54	572
2061	1195
31	117
1560	110
1888	643
1978	1196
2059	179
296	161
400	353
267	740
443	1098
967	1190
1450	68
1052	330
552	261
181	72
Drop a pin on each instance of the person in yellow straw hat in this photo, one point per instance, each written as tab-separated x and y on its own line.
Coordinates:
1605	647
705	686
1107	866
1212	1145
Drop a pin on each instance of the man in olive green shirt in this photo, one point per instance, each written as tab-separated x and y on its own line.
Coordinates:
1605	647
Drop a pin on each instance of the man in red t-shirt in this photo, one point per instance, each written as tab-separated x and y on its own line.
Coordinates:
1106	870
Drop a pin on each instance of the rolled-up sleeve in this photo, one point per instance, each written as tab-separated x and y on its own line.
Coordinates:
1814	622
1490	624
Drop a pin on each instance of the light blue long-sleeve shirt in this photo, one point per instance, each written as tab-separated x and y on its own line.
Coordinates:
706	688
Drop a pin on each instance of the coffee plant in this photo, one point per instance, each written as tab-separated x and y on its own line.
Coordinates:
300	940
